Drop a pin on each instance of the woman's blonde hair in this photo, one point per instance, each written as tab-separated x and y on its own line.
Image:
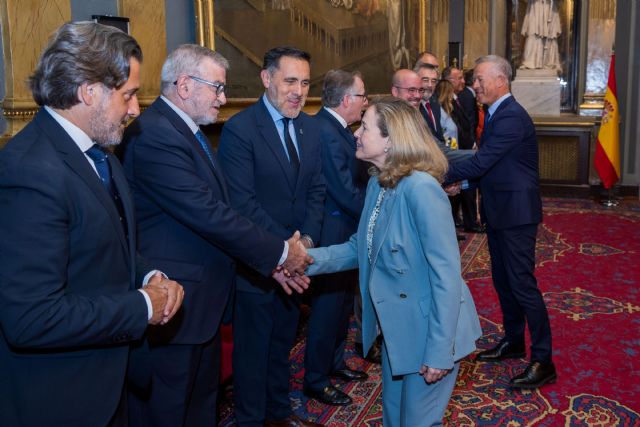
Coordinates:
445	92
411	145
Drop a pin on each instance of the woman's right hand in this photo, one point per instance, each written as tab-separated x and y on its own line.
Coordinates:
432	375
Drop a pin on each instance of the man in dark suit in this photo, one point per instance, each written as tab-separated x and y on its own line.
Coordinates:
188	229
429	106
332	296
270	154
70	303
507	167
463	114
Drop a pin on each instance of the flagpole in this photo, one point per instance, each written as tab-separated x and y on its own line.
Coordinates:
611	201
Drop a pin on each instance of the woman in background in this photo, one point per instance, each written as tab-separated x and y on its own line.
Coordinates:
410	279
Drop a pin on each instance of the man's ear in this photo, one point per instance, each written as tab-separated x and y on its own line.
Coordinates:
182	86
346	101
87	93
265	76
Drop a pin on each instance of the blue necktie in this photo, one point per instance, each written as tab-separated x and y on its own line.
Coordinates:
99	158
204	143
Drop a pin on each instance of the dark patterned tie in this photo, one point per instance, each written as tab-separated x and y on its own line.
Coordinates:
291	149
204	143
99	158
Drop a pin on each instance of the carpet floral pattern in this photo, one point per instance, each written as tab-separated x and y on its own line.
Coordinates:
587	269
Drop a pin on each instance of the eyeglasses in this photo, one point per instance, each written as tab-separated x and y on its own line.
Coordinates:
362	95
219	87
411	90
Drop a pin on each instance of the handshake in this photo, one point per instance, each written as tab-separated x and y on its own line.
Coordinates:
290	274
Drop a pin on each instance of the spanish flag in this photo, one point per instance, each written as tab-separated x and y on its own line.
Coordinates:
607	157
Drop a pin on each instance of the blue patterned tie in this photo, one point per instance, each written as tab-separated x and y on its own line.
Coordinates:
99	158
204	143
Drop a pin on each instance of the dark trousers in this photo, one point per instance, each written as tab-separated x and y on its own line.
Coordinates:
512	252
264	330
331	308
466	202
184	386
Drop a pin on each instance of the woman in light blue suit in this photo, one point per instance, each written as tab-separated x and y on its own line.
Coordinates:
410	278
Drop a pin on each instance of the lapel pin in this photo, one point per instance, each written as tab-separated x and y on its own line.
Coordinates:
301	131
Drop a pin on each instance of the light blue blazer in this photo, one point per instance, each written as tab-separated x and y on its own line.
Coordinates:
414	283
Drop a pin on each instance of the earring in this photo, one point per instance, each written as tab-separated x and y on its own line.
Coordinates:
386	149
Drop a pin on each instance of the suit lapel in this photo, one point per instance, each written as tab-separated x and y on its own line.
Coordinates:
382	223
267	129
191	139
78	163
117	174
488	128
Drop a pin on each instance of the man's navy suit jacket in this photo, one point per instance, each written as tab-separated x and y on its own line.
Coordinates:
346	179
507	166
436	131
69	307
263	186
185	224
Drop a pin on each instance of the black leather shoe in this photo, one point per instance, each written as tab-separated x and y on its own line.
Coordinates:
349	374
504	350
374	355
329	395
535	375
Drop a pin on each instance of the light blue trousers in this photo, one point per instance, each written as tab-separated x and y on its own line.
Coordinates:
408	401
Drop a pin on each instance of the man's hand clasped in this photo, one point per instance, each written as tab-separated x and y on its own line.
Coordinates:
290	274
166	298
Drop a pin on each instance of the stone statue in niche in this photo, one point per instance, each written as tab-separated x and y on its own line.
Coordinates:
541	27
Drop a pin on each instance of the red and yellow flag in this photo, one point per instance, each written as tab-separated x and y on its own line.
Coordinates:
607	157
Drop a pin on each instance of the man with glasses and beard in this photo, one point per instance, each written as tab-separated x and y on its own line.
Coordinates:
186	226
70	299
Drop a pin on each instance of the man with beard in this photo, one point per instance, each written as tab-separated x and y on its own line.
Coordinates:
271	157
186	226
429	106
70	303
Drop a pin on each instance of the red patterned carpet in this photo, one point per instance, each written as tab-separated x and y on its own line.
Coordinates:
586	261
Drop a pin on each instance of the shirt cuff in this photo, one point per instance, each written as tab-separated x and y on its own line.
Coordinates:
285	253
146	279
148	301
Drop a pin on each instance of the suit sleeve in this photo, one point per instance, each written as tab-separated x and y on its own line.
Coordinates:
332	259
440	249
37	310
165	172
340	185
507	132
237	157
